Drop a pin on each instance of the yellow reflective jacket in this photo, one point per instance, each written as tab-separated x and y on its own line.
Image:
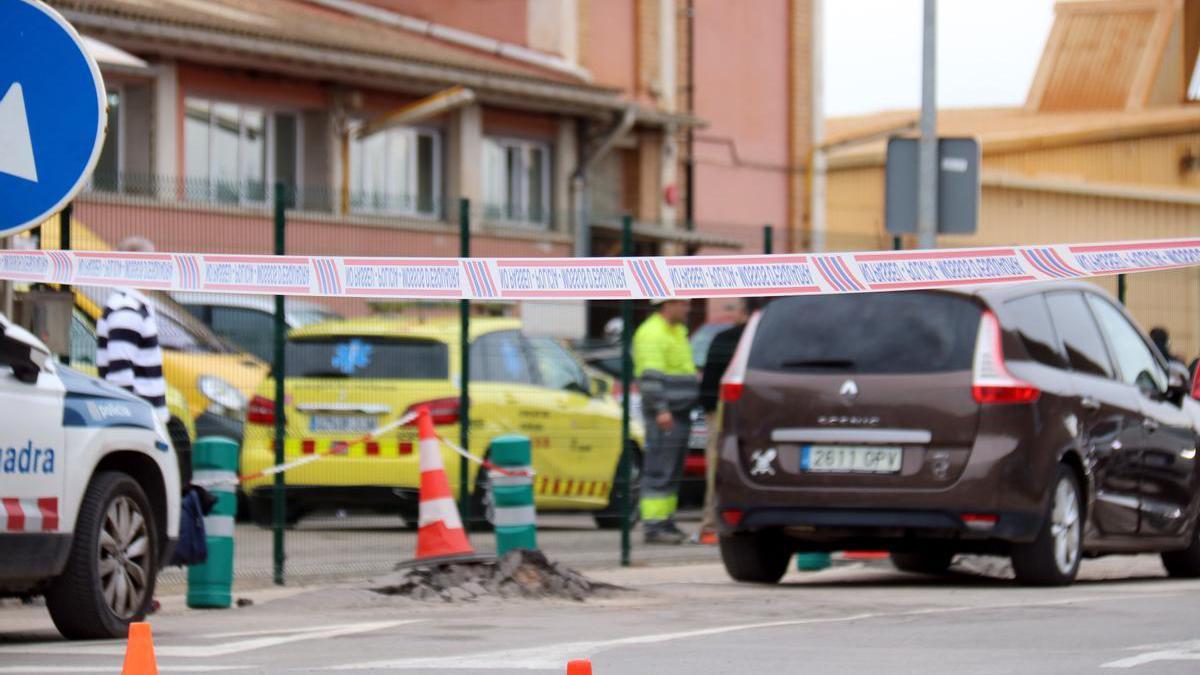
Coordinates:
662	362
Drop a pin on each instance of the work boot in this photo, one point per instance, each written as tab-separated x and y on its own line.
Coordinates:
663	532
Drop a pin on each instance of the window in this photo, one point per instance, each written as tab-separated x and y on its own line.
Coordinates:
1032	321
107	174
557	369
226	151
396	171
516	181
83	342
1134	358
500	357
368	358
249	329
925	333
1080	335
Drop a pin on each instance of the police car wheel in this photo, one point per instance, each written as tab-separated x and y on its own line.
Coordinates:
110	574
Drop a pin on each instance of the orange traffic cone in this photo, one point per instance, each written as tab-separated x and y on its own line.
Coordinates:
440	531
579	667
139	653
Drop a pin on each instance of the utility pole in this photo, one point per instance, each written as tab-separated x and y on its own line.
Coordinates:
927	158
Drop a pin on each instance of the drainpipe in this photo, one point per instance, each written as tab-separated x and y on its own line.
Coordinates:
587	160
689	166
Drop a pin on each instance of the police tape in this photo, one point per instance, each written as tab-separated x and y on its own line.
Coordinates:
342	447
338	448
484	462
596	278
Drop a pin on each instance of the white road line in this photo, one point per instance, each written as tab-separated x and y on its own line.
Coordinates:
1171	651
109	669
207	651
553	656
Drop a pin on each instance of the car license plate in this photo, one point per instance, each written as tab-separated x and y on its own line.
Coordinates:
343	423
850	459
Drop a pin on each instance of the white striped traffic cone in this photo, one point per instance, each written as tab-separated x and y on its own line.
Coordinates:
440	531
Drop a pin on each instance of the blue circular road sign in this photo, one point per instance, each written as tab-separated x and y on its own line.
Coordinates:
52	114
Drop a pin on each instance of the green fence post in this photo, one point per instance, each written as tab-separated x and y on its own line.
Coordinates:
464	376
64	244
1121	288
278	494
210	584
625	465
768	239
512	496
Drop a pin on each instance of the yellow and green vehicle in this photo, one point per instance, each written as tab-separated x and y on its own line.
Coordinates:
345	378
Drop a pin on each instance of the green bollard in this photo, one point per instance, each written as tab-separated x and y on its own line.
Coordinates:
512	496
812	562
210	585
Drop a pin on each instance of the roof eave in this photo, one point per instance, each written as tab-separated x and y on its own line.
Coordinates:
316	62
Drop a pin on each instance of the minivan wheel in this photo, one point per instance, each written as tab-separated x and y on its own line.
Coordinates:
1184	564
109	578
1053	558
756	557
923	562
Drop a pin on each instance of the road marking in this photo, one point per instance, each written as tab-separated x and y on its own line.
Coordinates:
109	668
551	657
1171	651
281	637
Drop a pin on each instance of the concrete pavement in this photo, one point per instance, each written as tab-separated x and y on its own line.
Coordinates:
680	619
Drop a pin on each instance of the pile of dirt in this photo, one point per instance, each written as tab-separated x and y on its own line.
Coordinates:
519	574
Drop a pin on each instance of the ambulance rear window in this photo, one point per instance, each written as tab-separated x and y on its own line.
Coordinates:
368	358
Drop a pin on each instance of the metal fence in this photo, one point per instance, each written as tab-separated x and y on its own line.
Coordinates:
289	376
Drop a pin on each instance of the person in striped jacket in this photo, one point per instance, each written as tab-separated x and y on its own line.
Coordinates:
128	353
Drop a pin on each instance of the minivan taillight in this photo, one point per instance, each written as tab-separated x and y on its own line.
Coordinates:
261	411
441	410
1196	384
992	383
733	383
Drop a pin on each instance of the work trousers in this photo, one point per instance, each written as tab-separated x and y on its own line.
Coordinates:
662	467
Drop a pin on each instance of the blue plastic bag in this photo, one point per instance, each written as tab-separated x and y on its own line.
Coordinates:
192	547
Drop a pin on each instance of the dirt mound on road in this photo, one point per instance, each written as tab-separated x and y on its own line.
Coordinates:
519	574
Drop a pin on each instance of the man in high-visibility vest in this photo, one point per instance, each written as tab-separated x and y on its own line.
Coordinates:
662	363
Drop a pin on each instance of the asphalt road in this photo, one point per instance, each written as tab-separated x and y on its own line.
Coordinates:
689	619
328	547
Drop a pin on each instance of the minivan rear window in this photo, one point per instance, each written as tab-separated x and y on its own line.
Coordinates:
368	358
910	332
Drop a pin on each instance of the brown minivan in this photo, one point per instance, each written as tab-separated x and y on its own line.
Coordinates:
1034	421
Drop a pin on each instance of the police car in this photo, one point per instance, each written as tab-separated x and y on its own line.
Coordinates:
89	492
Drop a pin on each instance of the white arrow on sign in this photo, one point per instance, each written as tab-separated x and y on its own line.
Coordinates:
16	147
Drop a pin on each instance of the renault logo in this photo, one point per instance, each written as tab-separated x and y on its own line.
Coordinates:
849	389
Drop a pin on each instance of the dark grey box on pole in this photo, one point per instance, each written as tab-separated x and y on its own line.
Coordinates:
958	186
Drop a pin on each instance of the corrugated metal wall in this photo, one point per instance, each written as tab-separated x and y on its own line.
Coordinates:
1025	216
1145	161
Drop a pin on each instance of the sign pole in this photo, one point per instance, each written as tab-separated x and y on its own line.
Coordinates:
927	181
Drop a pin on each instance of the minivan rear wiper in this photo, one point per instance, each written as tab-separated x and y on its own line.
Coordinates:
834	364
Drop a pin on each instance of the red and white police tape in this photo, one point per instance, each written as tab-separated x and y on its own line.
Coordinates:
596	278
341	448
